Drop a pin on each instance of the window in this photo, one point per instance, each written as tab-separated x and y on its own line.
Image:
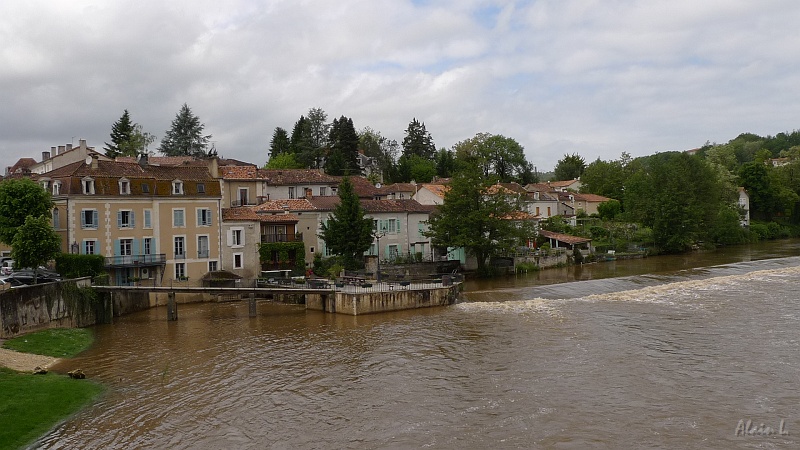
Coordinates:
312	250
125	219
90	247
421	229
57	188
124	186
180	270
392	226
393	251
243	197
147	246
88	186
148	220
46	185
177	187
126	247
180	247
89	218
201	188
178	218
145	188
236	237
202	246
291	192
237	261
56	221
323	191
212	266
203	217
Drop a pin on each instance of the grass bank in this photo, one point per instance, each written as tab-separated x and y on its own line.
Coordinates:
30	405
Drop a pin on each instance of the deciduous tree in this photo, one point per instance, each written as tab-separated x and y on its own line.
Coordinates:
19	199
569	167
35	243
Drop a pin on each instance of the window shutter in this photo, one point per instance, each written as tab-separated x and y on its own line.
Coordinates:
97	248
83	219
209	216
95	219
135	246
200	217
133	219
242	234
83	248
230	238
119	219
117	250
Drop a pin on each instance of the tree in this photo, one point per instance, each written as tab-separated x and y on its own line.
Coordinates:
418	141
19	199
569	168
35	243
301	144
318	128
445	163
498	156
121	133
347	232
185	136
754	177
280	142
343	151
416	168
477	220
283	161
606	178
377	146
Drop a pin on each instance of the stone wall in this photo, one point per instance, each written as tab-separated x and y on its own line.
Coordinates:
52	305
376	302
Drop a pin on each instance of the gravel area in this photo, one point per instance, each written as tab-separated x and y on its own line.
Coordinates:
24	362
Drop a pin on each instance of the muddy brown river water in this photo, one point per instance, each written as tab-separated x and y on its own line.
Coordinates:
667	352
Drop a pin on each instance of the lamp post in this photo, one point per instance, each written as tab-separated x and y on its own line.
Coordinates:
378	235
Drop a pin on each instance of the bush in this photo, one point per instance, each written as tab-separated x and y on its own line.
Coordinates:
76	266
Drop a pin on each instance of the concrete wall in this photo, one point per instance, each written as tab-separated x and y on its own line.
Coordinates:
31	308
376	302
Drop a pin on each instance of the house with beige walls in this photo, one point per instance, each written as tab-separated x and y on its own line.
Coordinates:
244	231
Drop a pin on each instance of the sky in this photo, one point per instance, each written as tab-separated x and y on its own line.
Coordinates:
589	77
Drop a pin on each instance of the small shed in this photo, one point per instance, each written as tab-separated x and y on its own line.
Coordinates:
559	240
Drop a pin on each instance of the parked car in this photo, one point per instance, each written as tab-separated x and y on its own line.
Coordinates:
7	266
26	276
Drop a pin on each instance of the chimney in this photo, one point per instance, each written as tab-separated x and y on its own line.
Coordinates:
142	159
61	149
95	158
53	151
69	146
82	143
45	156
308	193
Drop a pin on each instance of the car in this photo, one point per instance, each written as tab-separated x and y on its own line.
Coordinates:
27	276
7	266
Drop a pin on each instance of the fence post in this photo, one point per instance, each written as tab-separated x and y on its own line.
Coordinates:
252	304
172	307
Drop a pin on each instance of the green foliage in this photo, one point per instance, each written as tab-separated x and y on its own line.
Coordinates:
121	132
54	342
445	163
417	168
185	136
348	232
301	143
279	142
609	210
76	266
476	220
606	178
283	161
376	146
35	243
498	156
19	199
284	251
418	141
525	267
32	404
577	256
598	232
569	167
343	151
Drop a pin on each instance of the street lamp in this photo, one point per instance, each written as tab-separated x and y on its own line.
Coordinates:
378	235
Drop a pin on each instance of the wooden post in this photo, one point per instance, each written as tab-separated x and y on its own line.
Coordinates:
172	307
252	304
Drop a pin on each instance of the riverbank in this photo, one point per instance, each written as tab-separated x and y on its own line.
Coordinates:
24	362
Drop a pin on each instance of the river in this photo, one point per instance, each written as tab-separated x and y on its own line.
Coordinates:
666	352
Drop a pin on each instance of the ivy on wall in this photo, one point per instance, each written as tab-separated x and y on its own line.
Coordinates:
283	250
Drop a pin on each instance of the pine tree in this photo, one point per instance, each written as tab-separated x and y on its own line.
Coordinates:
343	152
418	141
185	137
121	133
280	142
300	143
347	231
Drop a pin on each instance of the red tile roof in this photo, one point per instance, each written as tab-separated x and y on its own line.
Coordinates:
279	205
238	172
249	214
566	238
290	177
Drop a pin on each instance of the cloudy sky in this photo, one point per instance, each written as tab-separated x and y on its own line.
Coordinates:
592	77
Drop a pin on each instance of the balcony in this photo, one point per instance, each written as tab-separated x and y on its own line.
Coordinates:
158	259
298	237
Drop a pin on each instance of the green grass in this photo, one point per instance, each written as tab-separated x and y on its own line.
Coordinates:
30	405
55	342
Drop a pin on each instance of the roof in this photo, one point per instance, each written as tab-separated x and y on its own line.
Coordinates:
562	183
399	187
289	177
159	160
114	169
250	214
21	165
507	187
565	238
300	204
238	172
437	189
374	206
593	198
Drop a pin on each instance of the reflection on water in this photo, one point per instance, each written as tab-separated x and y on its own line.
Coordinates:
671	359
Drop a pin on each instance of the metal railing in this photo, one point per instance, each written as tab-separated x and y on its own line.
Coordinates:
136	260
298	237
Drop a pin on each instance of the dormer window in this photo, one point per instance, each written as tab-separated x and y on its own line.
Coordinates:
88	186
201	188
124	186
57	188
45	184
177	187
145	188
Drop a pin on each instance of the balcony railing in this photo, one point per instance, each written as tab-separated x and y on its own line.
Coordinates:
202	253
282	237
180	256
136	260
